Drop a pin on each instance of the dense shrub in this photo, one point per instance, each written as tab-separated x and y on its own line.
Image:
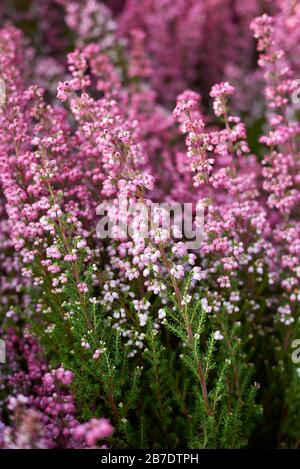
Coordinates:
142	341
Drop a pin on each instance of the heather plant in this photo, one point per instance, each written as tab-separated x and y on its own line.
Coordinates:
138	340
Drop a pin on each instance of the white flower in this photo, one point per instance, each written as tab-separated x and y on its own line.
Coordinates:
218	335
161	313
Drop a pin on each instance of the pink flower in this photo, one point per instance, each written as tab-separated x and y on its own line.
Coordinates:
82	287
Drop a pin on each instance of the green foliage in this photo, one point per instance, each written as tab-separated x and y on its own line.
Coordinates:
185	388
